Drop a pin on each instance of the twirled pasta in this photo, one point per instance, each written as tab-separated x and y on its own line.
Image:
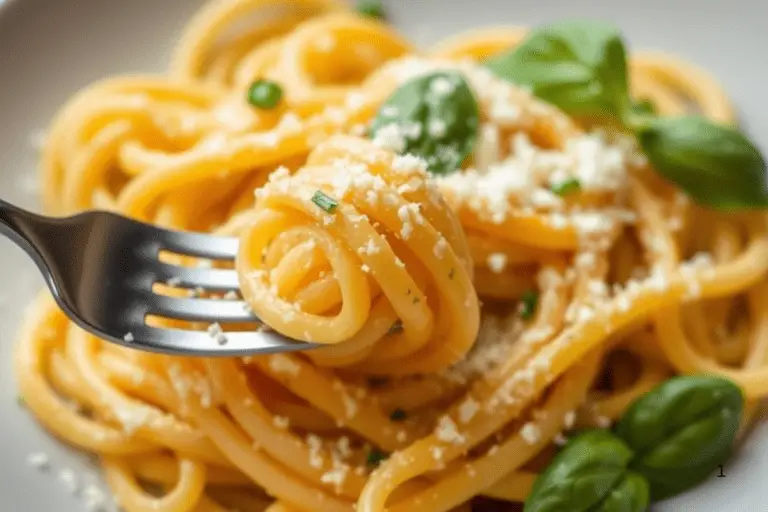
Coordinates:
635	283
349	275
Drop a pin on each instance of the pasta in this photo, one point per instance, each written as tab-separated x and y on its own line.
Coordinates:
433	389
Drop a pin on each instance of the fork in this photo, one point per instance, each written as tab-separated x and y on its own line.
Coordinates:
101	269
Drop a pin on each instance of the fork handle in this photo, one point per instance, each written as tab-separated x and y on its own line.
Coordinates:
16	224
25	229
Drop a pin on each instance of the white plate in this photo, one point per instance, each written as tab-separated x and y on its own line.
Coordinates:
51	48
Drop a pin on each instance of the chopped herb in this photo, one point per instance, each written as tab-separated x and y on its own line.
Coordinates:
20	401
396	327
563	188
398	415
643	107
325	202
371	8
529	300
416	300
377	381
451	273
265	94
375	457
408	292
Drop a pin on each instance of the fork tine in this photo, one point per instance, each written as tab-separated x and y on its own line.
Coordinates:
212	279
237	343
200	245
200	310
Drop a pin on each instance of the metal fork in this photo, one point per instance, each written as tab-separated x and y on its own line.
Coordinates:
101	268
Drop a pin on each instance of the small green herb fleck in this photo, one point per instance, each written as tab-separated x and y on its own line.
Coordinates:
644	107
451	273
265	94
565	187
324	201
372	8
375	457
396	327
398	415
416	300
529	300
20	401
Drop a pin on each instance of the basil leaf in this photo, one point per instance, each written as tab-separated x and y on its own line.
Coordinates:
589	473
437	116
630	495
579	66
681	430
716	165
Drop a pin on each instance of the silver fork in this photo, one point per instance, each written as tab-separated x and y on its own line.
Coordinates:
101	268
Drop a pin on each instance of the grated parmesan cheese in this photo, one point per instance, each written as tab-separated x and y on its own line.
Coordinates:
447	431
370	248
350	405
441	86
437	128
38	460
390	137
504	111
69	479
440	247
281	422
530	433
315	445
468	409
94	498
343	449
335	476
497	262
403	214
217	334
409	163
280	363
569	420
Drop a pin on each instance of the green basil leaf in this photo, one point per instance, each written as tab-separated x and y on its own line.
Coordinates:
437	117
589	472
681	430
716	165
580	66
630	495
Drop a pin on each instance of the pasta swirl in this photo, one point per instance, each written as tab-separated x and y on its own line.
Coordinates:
389	252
